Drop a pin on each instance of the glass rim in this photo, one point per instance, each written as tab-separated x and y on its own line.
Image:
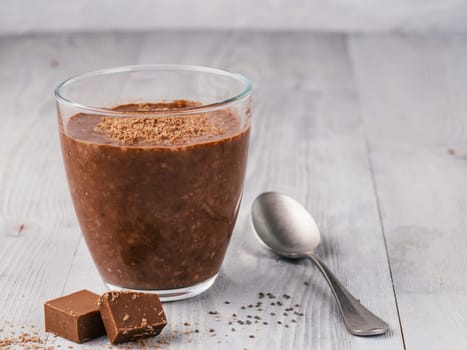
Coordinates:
246	92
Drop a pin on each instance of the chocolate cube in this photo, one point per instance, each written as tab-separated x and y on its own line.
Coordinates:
75	316
129	316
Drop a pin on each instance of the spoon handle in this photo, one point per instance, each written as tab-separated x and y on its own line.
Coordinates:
357	318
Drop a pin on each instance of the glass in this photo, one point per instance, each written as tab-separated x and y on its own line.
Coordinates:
155	159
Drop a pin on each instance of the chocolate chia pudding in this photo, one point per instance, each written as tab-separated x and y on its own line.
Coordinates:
156	197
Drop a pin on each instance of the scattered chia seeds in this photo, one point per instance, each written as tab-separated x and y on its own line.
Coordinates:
242	319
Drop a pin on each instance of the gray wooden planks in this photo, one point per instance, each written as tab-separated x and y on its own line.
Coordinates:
308	140
413	99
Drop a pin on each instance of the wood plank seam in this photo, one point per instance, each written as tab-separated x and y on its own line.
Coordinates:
383	232
375	191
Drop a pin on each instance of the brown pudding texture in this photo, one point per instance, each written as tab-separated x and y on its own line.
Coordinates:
156	198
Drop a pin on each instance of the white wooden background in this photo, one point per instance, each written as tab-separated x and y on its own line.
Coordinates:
369	132
32	16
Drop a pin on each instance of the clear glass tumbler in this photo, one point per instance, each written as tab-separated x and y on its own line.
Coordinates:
155	158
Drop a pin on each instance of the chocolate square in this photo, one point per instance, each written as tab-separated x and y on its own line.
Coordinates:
75	316
130	316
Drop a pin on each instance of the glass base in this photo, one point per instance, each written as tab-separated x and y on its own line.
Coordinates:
172	294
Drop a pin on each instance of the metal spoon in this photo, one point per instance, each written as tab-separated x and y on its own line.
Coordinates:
284	226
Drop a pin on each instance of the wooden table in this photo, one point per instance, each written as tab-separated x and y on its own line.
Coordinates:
369	132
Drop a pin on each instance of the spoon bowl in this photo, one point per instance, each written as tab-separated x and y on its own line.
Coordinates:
285	227
274	215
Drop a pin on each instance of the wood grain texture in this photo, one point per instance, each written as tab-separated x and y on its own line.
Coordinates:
308	140
413	98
